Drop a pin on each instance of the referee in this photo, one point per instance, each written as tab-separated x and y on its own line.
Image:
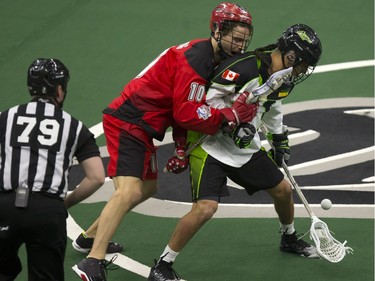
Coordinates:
38	141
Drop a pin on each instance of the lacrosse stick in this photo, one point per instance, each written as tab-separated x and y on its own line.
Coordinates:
271	85
201	140
326	245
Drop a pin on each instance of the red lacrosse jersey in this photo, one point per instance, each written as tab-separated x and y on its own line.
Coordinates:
171	91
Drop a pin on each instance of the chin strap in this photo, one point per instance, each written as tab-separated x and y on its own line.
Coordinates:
223	55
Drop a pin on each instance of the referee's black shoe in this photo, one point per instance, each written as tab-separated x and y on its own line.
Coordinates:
163	271
84	244
291	243
93	269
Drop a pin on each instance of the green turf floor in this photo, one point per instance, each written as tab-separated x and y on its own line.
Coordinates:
105	44
233	249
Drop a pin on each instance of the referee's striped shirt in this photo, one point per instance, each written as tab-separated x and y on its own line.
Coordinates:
38	141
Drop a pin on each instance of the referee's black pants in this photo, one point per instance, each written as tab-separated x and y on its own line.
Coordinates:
42	227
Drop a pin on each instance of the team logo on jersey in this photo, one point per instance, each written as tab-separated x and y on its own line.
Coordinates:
230	75
204	112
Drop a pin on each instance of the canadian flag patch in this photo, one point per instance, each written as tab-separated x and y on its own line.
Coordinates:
230	75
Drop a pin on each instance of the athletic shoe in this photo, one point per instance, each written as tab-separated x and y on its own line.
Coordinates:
290	243
91	269
163	271
84	244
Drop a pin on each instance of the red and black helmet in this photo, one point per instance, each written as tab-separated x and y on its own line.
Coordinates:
227	11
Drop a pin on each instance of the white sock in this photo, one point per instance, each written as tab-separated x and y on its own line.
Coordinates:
168	255
287	228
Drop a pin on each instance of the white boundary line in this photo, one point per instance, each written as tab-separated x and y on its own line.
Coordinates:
333	162
176	209
74	230
165	208
343	66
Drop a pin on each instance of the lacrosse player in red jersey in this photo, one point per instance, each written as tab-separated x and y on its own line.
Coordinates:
240	156
170	91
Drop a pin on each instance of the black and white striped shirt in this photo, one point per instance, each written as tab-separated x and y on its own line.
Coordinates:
38	141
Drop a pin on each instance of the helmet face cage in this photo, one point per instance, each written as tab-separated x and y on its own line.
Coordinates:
44	76
303	40
303	75
225	18
236	37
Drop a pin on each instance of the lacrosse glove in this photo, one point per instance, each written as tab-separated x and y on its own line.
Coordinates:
281	149
179	161
243	135
241	111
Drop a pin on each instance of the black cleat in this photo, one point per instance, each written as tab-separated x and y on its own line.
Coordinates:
84	244
290	243
163	271
91	269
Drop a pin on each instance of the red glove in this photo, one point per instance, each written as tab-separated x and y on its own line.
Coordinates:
240	112
179	161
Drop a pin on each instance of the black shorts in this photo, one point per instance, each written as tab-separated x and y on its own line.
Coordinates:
209	176
42	228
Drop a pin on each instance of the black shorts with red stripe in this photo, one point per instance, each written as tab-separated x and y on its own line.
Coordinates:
131	150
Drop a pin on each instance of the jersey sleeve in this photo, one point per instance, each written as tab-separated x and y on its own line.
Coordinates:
86	145
273	118
221	96
193	71
179	134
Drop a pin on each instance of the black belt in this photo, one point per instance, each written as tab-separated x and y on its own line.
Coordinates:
41	193
7	191
46	194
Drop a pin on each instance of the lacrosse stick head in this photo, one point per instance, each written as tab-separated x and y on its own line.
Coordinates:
278	78
326	245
